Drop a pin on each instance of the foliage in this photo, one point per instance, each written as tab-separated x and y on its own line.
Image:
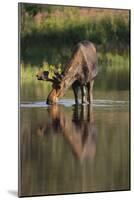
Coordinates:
112	69
44	28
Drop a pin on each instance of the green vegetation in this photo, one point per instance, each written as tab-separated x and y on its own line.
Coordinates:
28	73
70	25
113	70
49	33
106	63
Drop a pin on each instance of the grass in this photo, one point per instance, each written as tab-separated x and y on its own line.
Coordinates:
113	61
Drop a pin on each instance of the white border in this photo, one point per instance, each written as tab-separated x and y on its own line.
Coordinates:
9	97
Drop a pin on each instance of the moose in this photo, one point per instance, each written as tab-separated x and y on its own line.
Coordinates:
79	72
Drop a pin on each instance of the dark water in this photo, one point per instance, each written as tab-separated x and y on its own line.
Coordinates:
71	149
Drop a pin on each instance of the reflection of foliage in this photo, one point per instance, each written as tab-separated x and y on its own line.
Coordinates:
113	72
48	165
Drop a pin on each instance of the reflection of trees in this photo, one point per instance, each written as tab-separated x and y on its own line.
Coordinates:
48	166
79	131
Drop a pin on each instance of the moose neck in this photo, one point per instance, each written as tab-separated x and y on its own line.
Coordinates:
65	84
70	73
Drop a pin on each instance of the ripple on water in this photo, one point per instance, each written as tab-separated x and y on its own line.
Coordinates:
71	102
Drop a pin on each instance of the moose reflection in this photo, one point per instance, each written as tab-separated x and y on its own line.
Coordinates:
79	72
79	130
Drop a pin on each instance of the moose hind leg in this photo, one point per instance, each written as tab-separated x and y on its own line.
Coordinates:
83	93
90	91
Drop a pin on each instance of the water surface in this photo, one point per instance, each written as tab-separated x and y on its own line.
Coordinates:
71	149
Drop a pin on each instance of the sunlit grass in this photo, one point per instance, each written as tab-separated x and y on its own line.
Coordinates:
107	63
28	73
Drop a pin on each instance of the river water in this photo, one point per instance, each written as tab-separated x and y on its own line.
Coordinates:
66	148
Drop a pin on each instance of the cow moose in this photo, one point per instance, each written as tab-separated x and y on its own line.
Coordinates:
79	72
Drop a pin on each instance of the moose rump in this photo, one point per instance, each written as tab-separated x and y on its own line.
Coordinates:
79	71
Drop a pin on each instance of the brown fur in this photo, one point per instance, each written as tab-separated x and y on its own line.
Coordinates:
81	67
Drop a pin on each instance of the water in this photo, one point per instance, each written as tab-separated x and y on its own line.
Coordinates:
71	149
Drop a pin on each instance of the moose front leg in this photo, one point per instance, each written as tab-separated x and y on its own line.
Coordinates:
90	91
75	88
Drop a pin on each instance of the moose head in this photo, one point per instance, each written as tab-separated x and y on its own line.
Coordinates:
56	84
